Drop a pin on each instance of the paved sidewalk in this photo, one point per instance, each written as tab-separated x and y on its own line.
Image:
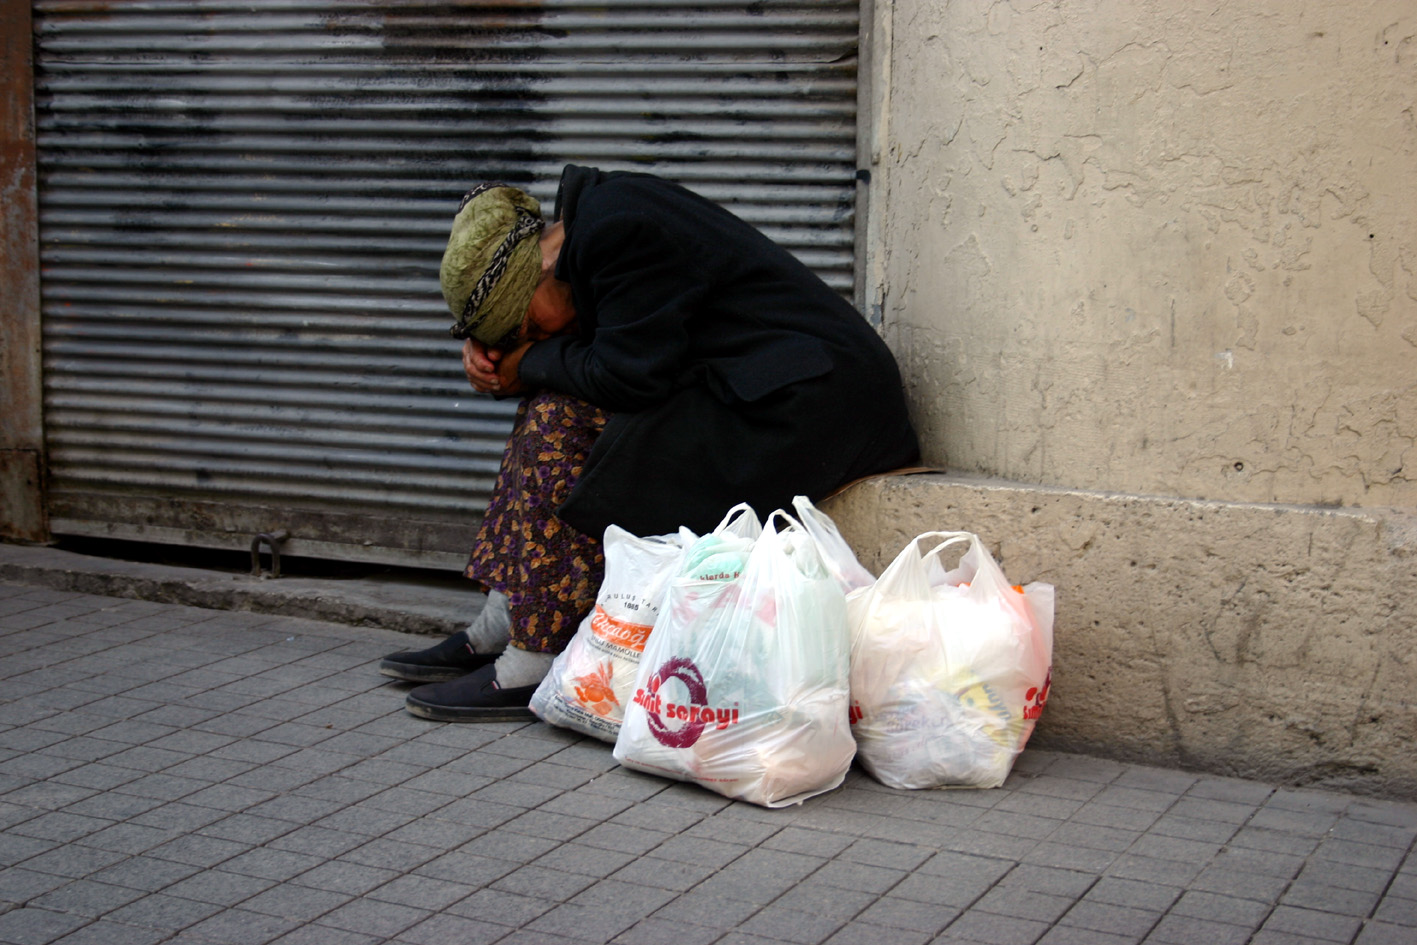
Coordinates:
182	775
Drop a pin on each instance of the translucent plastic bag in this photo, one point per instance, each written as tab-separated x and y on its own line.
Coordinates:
592	680
743	685
949	670
837	555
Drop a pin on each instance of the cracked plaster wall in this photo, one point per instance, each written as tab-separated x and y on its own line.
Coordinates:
1161	248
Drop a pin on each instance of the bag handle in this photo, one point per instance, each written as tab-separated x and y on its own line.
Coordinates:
740	513
950	538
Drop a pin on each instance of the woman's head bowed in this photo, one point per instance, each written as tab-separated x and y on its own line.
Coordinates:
493	263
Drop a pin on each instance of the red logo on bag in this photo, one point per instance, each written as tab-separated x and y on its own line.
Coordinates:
1037	697
694	712
853	712
619	631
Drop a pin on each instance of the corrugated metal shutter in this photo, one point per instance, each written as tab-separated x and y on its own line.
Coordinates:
243	206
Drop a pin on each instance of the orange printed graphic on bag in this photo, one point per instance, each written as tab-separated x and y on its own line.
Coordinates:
595	692
619	631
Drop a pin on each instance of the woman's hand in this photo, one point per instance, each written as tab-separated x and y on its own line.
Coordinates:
479	362
492	370
508	370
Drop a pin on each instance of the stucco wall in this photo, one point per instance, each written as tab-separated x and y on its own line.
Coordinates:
1154	246
1151	267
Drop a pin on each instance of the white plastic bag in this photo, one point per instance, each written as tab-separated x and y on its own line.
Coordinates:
949	670
591	680
743	685
837	555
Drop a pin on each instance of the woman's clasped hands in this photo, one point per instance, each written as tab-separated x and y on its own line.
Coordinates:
493	370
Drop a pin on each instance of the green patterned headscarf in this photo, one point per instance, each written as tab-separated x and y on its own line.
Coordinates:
492	264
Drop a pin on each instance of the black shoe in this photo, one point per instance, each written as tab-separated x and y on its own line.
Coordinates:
475	697
451	659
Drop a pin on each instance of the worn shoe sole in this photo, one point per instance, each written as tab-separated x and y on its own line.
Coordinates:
415	672
449	713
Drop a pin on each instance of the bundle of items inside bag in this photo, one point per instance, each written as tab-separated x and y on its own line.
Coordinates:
758	659
949	669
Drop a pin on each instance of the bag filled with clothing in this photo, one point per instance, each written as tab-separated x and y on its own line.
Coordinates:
949	669
742	687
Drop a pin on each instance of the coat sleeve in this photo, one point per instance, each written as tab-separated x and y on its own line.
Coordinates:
644	286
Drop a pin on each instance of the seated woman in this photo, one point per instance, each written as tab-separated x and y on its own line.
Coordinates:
673	362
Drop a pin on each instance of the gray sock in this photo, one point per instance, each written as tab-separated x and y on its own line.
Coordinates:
516	667
492	629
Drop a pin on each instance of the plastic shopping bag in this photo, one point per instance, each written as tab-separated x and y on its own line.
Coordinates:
837	555
949	669
743	685
591	680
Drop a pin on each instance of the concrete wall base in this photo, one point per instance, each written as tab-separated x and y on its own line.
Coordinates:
1258	641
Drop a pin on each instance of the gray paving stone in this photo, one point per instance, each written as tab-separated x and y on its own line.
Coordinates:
697	908
351	879
1062	855
104	932
1166	872
1319	925
37	926
1061	882
440	929
1021	902
543	883
779	924
366	821
901	856
501	907
986	844
582	859
218	887
1187	930
145	873
996	929
590	923
242	927
1344	876
1354	853
1072	935
1376	932
60	827
380	918
86	897
20	885
1310	894
294	902
1094	837
1115	816
160	911
1172	824
71	861
1395	910
196	850
392	854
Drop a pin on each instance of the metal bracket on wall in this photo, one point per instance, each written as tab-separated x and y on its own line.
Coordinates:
273	541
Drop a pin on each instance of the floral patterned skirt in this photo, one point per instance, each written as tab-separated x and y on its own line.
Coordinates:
549	571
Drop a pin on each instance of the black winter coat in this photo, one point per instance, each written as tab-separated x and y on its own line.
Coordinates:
734	373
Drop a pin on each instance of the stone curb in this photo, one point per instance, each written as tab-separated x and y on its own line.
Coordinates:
408	604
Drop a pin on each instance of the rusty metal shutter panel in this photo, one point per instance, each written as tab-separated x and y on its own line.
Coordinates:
243	206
